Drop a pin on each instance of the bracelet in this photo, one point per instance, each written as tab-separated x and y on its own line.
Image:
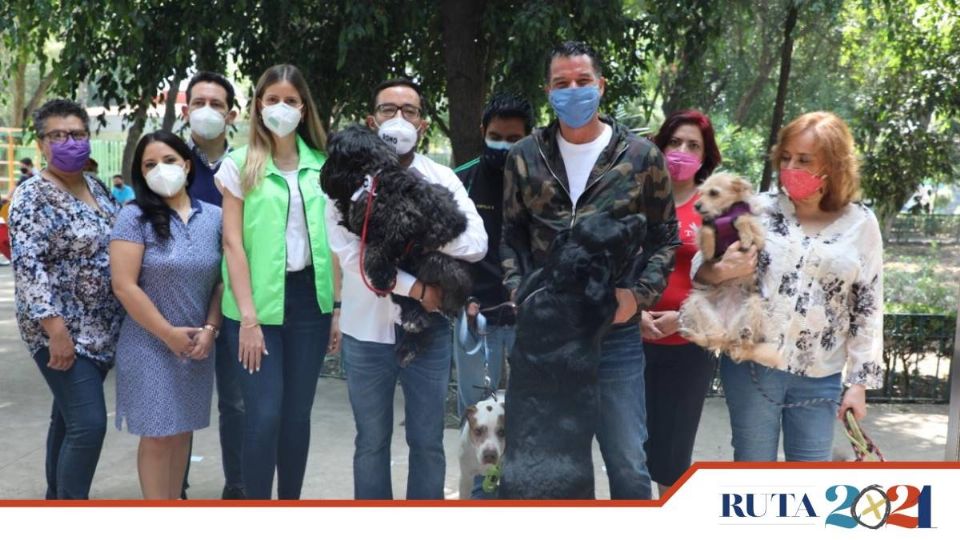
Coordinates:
254	325
336	304
213	328
423	292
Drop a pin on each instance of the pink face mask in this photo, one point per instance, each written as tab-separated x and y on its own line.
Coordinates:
799	183
682	165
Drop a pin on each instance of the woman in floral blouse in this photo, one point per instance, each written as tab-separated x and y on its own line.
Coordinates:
60	223
821	275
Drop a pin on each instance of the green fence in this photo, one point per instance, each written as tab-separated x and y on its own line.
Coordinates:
911	229
108	155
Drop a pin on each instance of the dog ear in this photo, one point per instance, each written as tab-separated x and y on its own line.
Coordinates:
741	185
470	413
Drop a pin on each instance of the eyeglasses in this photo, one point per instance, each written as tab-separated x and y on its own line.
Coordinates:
59	136
389	110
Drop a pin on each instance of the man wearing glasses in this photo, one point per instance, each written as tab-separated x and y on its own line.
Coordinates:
368	324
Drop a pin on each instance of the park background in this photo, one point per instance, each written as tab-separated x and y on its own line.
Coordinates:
890	68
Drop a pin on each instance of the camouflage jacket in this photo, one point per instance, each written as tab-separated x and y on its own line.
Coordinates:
630	176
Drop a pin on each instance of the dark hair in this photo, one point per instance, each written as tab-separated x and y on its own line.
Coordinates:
120	176
215	78
508	105
398	82
711	153
155	209
27	161
573	48
60	108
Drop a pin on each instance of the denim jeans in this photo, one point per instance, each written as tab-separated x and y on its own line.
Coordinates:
756	423
470	366
622	426
278	398
78	423
372	374
230	406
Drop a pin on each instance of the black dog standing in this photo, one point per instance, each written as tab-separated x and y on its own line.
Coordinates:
402	220
565	309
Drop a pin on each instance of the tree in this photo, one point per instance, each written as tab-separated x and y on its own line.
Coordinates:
24	31
786	56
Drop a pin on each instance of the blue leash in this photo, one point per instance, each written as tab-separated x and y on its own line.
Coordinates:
472	344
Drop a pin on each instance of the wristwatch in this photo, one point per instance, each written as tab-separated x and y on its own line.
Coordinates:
212	328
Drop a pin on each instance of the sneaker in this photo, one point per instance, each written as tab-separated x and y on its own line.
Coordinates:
233	493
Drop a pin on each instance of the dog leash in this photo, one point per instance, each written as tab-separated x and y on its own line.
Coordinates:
863	446
802	403
370	186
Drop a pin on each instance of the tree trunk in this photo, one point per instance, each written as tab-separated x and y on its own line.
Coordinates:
39	93
767	61
464	54
19	91
785	58
170	104
133	135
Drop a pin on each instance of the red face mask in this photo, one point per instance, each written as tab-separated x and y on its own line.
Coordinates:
799	183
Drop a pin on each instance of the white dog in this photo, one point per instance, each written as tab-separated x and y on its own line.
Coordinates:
481	440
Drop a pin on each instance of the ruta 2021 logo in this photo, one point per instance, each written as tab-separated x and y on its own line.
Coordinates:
872	507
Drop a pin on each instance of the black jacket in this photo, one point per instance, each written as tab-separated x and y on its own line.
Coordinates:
484	184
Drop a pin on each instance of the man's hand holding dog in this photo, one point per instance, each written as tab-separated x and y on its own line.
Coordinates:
667	323
430	296
626	306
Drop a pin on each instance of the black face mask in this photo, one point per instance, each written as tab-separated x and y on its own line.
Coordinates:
24	170
496	158
118	186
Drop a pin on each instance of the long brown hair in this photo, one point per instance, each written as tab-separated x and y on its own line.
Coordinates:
261	140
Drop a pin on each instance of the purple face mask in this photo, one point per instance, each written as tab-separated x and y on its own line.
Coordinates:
70	156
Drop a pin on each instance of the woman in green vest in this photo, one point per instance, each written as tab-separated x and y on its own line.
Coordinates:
278	304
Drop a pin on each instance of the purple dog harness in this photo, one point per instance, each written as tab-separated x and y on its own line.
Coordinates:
726	232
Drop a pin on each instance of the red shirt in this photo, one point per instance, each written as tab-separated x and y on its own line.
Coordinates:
679	283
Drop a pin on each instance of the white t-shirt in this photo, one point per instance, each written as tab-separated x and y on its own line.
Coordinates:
579	160
368	317
297	237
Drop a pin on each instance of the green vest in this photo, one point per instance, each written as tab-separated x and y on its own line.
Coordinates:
264	230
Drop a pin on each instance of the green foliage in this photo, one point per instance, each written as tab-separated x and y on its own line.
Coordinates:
926	290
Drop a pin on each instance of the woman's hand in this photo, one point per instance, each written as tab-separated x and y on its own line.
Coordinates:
204	343
854	398
336	338
736	263
62	350
648	328
252	347
626	306
667	322
181	340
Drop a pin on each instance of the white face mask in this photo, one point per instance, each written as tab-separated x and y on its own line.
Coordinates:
281	118
166	179
399	134
207	123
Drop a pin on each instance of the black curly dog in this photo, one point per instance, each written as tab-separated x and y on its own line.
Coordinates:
410	220
566	308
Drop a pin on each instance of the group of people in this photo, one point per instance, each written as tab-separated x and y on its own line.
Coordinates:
229	267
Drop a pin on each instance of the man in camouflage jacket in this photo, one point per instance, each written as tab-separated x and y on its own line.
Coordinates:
629	176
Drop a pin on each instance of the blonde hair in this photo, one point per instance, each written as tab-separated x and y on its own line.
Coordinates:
836	151
261	142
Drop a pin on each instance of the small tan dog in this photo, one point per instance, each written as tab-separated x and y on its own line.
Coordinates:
728	317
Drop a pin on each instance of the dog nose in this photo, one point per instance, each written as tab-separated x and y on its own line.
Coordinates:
490	457
696	205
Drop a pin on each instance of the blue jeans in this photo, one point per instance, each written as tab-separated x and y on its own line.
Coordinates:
756	423
278	398
372	374
78	423
470	367
622	425
230	406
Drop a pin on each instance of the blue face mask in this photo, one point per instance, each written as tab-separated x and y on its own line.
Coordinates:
575	106
495	152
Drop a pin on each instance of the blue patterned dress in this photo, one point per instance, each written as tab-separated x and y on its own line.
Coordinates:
158	393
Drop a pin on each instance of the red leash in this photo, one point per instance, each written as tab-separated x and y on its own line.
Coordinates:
371	193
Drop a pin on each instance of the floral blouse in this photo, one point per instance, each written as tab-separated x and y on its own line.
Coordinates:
823	293
61	266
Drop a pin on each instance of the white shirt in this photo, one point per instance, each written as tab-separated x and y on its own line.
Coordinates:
299	255
824	293
579	159
368	317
